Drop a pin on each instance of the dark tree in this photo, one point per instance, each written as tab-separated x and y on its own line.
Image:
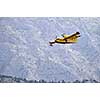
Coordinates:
63	81
84	81
77	81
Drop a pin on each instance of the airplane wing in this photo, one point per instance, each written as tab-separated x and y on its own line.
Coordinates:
73	36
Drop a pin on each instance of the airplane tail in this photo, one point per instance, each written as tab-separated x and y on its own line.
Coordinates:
51	43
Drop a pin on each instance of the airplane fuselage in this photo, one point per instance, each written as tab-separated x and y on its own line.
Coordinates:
66	39
63	41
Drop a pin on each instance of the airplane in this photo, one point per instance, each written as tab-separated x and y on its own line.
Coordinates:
67	39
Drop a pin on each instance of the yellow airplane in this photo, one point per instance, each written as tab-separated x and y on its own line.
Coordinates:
67	39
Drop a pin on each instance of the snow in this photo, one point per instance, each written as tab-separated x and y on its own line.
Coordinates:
25	50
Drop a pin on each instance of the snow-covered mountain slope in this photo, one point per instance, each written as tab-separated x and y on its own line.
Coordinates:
25	50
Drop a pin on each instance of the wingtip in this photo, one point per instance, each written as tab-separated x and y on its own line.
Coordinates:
77	32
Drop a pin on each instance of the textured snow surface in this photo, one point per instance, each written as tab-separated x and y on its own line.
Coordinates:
25	50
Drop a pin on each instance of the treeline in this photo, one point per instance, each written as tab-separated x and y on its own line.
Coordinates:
10	79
